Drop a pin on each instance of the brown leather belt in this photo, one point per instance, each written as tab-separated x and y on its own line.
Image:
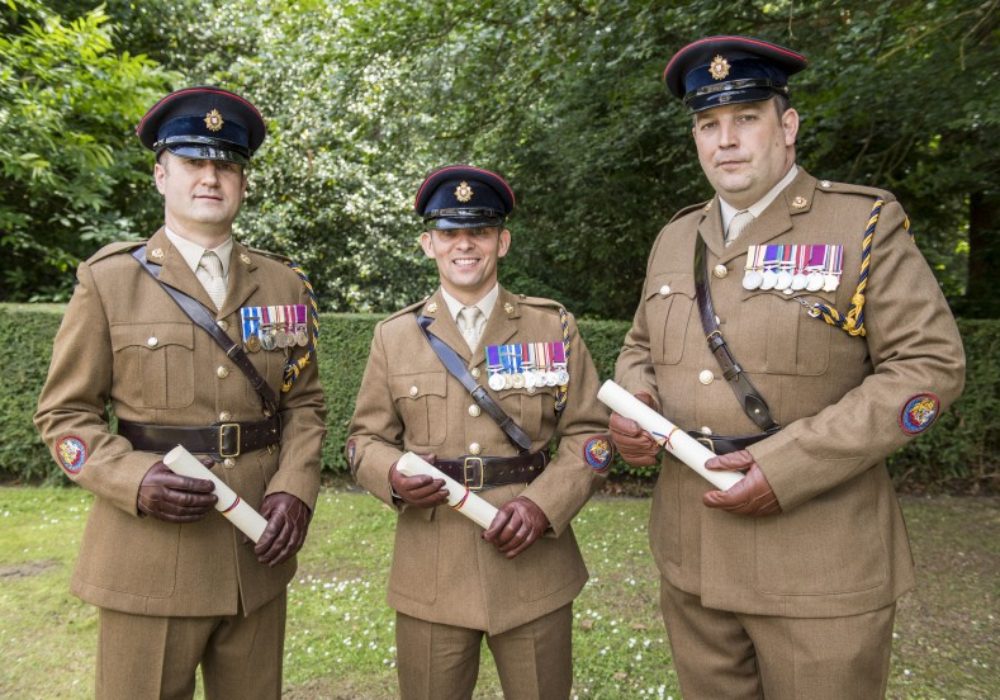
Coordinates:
222	440
724	444
483	472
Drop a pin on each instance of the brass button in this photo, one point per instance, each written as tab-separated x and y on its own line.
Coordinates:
223	324
225	416
665	290
705	430
414	391
229	462
474	411
475	448
152	341
222	372
432	307
474	372
720	271
705	376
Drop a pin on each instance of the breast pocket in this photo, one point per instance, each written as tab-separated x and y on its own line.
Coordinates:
421	401
777	335
669	301
154	364
530	407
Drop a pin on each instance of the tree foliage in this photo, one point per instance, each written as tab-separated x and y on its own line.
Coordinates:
565	98
71	176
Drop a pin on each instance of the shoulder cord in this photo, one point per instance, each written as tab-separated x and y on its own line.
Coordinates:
294	367
562	393
853	322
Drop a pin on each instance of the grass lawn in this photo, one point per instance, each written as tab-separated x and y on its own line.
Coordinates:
340	632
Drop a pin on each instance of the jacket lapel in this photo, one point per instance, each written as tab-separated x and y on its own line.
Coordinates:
501	325
710	228
443	325
242	282
175	271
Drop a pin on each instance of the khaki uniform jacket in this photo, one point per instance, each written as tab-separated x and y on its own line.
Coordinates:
442	569
840	545
123	340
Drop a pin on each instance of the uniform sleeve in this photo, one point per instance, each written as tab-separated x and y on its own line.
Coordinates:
375	435
916	352
634	366
570	478
303	427
72	408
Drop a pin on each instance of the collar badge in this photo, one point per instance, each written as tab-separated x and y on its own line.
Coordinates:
719	68
214	121
463	192
799	202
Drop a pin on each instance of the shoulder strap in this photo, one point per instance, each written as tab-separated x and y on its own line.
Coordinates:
750	399
456	366
205	320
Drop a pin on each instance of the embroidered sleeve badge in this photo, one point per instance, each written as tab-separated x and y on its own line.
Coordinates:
598	452
72	454
919	413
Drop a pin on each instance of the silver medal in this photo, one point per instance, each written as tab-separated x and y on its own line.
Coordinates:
830	282
814	283
496	382
769	279
752	280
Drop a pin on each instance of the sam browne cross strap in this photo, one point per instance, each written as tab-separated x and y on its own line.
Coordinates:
751	401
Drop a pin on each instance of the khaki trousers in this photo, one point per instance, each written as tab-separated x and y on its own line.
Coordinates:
140	657
720	654
441	662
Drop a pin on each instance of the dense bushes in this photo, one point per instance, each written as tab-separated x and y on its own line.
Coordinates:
960	454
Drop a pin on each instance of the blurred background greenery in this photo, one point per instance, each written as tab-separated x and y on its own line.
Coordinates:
565	98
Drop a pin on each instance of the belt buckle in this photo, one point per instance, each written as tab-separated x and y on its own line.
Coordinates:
222	439
475	462
707	442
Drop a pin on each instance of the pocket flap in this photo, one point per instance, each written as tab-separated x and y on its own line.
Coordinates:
414	386
667	284
152	335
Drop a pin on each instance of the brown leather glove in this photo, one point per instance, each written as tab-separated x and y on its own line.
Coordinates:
635	445
752	495
516	526
287	522
175	498
420	491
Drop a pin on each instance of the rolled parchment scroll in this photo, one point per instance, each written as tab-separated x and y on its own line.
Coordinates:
460	497
673	439
245	518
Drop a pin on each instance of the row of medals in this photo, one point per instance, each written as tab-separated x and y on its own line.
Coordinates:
529	379
792	275
274	338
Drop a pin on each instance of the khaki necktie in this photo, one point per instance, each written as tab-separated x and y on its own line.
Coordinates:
469	318
210	269
736	226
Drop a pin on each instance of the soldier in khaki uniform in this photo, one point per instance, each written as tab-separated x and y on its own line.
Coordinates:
177	585
833	347
451	582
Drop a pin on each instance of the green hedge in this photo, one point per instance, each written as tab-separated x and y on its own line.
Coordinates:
959	455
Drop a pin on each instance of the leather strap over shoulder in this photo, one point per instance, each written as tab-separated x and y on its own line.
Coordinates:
750	399
456	366
205	320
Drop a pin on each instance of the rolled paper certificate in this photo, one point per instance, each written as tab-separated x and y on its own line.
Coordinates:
673	439
460	497
245	518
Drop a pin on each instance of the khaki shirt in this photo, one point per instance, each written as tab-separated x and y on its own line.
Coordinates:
125	342
442	570
840	545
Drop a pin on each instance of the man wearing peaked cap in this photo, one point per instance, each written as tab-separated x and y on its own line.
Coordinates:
478	381
198	340
778	324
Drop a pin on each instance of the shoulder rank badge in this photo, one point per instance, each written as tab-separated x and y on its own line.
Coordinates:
919	413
